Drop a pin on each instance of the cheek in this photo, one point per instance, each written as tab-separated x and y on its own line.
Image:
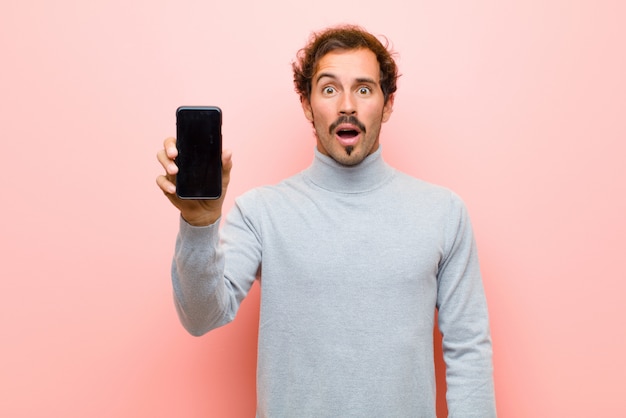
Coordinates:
318	118
379	115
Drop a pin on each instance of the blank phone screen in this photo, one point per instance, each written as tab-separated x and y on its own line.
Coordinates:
199	143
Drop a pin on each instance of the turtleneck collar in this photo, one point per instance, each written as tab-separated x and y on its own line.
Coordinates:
368	175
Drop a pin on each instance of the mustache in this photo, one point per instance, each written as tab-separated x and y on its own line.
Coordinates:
352	120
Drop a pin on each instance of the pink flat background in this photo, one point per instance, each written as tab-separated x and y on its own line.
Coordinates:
518	106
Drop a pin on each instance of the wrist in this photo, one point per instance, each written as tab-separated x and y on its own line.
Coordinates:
204	219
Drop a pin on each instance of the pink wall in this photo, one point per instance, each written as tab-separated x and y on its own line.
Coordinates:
519	106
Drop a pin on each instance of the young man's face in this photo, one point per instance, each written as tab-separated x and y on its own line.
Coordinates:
347	106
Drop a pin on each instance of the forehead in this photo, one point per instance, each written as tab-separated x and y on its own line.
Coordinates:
348	64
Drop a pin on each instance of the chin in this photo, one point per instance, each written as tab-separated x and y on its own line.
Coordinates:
350	158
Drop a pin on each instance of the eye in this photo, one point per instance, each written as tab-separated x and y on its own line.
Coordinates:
364	91
328	90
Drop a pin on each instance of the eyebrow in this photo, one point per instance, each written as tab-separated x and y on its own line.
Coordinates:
334	77
322	75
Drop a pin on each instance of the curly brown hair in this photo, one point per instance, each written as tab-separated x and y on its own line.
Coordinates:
344	37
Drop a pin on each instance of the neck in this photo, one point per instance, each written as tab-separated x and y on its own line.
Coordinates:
369	174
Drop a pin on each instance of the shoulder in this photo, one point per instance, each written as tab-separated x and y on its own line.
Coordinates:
261	197
285	186
424	190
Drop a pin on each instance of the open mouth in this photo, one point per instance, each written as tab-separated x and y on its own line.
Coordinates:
347	130
347	133
347	136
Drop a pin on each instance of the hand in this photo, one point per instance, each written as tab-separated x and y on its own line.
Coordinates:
194	212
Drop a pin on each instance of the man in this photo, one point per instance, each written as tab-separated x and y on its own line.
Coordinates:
353	259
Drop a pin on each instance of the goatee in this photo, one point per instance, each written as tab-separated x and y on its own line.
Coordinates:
349	149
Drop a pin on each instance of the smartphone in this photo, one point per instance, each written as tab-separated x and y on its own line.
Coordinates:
199	143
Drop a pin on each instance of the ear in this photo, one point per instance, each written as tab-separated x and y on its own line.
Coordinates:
388	108
306	107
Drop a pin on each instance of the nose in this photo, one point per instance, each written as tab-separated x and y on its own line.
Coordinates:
347	105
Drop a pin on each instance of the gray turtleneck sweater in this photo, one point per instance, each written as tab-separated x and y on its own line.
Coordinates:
352	263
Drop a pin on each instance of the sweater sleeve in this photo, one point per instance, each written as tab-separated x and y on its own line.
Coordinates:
210	275
464	322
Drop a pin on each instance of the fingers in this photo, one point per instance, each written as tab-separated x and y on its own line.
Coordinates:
169	145
195	212
227	156
166	157
166	185
227	162
227	165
